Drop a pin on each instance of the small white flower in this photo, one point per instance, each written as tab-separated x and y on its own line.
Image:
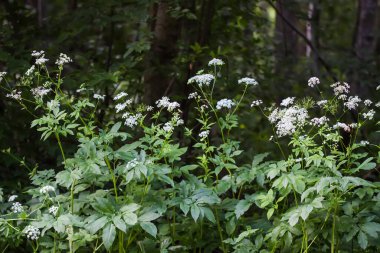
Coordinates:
322	103
38	54
287	101
319	121
224	103
149	108
378	87
340	88
342	97
12	198
367	102
201	80
42	60
369	115
99	97
248	81
344	126
2	74
30	70
364	143
39	92
168	127
63	59
271	138
53	210
80	90
288	120
204	134
377	104
216	62
353	125
256	103
313	81
16	207
46	189
120	95
52	104
131	120
32	233
193	95
352	102
15	95
164	102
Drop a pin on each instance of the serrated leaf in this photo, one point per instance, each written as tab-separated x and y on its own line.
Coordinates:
119	223
362	240
97	225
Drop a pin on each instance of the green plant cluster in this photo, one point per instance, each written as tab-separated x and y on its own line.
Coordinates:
132	186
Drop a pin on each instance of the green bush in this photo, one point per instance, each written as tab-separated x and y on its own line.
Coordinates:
134	186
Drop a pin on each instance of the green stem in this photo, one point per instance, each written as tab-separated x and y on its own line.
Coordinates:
60	146
113	177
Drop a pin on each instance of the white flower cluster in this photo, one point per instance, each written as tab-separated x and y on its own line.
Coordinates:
177	121
168	127
248	81
99	97
224	103
40	57
16	207
120	107
30	70
203	79
120	95
130	119
369	115
352	102
313	81
46	189
340	88
256	103
319	121
12	198
32	233
344	126
321	103
193	95
367	102
63	59
149	108
288	120
164	102
15	95
53	210
216	62
364	143
39	92
287	101
204	134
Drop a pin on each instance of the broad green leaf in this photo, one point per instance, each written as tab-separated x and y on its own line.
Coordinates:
149	227
97	225
119	223
195	212
362	240
130	218
149	216
109	234
242	207
209	214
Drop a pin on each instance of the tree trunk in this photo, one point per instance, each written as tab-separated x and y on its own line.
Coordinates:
312	35
157	80
364	42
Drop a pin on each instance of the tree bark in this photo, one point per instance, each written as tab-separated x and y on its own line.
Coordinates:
157	80
364	42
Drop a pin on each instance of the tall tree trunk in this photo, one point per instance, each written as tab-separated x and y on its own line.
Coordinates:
157	80
286	38
365	40
312	35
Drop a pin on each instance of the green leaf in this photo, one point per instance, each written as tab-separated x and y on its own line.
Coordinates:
149	227
130	218
195	212
270	213
371	228
242	207
97	225
119	223
209	214
362	240
109	234
149	216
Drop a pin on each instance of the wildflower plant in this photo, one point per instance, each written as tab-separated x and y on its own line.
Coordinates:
133	186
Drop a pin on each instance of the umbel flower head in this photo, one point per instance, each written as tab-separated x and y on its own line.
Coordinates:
215	62
201	80
32	233
248	81
224	103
